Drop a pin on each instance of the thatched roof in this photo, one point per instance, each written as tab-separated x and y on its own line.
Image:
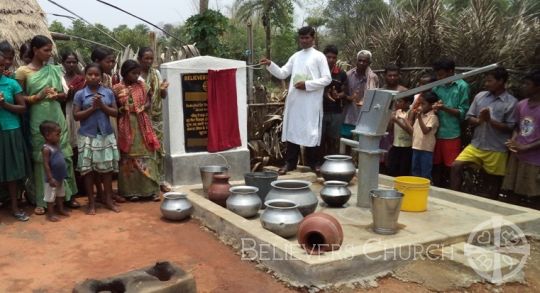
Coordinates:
20	20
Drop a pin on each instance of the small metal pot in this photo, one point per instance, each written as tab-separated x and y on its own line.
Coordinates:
281	217
176	206
335	193
244	201
338	167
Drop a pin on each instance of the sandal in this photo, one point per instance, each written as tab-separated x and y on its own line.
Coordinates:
134	198
21	216
39	211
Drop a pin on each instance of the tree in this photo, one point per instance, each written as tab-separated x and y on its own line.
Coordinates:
206	30
271	12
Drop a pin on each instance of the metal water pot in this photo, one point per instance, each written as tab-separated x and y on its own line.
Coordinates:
176	206
244	201
297	191
338	167
335	193
281	217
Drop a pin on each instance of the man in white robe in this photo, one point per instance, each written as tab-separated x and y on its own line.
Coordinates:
302	119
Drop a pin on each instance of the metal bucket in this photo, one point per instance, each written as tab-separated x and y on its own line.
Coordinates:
385	207
262	181
208	171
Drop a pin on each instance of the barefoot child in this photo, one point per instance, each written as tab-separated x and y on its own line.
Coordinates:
523	170
98	153
424	130
14	158
55	170
400	154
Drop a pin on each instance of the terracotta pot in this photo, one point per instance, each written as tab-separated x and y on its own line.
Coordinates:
218	191
320	232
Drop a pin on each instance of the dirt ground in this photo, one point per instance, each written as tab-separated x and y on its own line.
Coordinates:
38	256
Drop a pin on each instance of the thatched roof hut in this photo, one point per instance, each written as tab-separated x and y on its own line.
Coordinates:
20	20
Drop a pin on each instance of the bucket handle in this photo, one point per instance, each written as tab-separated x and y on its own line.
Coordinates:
222	157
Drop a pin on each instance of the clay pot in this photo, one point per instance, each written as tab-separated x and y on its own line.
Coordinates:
218	191
320	232
244	201
338	167
176	206
297	191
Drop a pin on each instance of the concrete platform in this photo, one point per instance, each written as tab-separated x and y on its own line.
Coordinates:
450	218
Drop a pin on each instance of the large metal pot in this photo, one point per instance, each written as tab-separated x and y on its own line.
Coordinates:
338	167
281	217
244	201
176	206
335	193
297	191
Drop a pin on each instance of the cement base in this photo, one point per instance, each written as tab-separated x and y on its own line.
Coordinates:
184	169
450	218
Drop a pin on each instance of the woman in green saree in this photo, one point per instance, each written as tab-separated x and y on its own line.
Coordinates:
157	91
43	85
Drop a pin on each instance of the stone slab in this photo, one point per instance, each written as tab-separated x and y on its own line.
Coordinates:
184	169
449	219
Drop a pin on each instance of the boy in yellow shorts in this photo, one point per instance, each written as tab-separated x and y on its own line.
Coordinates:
492	114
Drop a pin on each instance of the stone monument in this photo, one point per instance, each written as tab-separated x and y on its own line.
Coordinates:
185	116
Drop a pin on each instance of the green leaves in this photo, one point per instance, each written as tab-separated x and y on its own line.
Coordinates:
206	30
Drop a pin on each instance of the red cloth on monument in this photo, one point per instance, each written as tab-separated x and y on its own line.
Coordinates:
223	130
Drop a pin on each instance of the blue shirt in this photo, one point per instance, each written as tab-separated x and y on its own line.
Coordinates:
502	109
9	88
57	163
98	122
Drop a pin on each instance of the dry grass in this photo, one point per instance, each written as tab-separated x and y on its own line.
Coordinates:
418	33
20	21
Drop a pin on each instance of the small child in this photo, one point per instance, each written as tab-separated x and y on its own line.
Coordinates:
523	169
400	154
424	79
98	154
423	142
55	170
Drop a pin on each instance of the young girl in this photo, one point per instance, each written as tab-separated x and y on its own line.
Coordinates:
137	141
55	169
400	154
14	160
424	130
97	151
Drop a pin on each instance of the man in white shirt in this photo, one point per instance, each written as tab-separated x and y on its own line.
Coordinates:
302	119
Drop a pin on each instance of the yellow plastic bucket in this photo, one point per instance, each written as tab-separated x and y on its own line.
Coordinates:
415	192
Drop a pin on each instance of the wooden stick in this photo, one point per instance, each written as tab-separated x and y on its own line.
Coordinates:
101	31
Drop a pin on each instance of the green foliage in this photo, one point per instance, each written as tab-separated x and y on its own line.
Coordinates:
207	30
136	37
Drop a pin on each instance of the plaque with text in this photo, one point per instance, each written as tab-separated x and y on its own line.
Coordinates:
195	102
